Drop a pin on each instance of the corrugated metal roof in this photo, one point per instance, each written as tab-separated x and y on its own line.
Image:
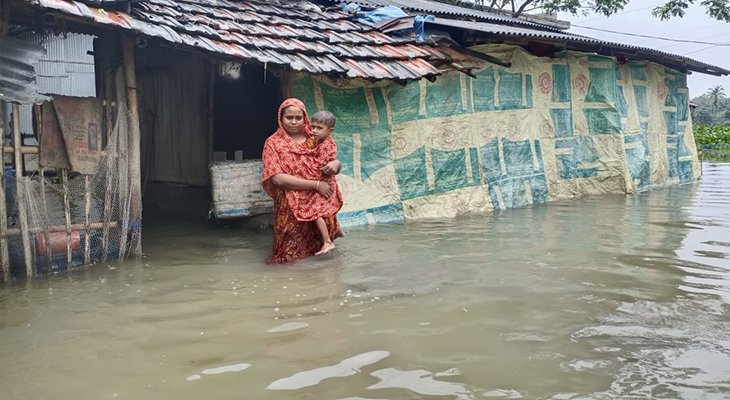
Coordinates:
66	69
17	75
449	10
298	35
636	51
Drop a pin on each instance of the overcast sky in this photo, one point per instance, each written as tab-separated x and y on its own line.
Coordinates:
696	25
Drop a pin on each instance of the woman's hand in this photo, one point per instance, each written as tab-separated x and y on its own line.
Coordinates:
325	189
331	168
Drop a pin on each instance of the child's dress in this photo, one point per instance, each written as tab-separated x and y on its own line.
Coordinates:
308	205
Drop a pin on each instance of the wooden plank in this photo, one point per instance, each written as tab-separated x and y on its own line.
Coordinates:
67	212
20	189
5	261
87	211
134	156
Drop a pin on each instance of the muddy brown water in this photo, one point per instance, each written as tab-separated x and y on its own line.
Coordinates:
598	298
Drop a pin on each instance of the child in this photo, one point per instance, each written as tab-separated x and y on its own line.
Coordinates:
323	124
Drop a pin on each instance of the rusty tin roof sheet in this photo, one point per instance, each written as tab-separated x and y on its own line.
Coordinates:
303	38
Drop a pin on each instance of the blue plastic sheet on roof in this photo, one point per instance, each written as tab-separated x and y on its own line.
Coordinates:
375	16
350	8
419	27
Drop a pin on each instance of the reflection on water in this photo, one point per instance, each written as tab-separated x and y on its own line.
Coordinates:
598	298
347	367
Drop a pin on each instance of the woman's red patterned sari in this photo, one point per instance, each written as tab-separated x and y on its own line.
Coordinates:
293	239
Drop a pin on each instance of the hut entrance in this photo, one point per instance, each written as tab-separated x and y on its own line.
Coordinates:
246	100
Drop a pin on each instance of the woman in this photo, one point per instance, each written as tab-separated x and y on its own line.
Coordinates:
286	153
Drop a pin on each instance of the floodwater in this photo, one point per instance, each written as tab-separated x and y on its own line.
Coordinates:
598	298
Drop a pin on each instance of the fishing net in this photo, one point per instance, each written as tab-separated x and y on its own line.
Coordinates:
72	219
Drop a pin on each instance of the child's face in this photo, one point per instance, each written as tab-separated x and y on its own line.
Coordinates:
321	131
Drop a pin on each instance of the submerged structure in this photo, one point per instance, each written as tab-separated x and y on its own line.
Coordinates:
441	111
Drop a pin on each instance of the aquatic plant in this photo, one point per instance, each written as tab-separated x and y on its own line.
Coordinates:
713	142
711	135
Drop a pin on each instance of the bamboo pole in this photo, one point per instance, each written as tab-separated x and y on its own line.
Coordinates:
108	177
59	228
67	212
23	149
46	233
39	135
87	211
5	261
20	188
123	173
135	176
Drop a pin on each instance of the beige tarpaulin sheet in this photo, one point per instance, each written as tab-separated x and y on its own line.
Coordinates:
542	130
72	134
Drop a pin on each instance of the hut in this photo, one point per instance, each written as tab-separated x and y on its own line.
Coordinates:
442	111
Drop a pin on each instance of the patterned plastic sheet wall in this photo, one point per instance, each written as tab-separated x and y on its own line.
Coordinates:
542	130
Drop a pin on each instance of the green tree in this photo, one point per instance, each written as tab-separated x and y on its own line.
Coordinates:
717	9
717	94
711	108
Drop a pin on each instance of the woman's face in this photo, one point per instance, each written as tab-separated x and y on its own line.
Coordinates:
293	120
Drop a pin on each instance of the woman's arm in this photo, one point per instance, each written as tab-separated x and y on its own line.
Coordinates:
291	182
332	168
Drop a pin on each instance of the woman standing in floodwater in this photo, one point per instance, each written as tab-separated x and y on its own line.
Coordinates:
285	155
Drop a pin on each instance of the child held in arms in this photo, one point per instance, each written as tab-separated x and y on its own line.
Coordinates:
314	206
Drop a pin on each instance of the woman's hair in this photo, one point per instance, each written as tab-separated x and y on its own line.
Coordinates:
283	110
324	117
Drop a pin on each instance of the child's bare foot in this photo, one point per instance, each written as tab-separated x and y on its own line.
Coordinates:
340	233
326	248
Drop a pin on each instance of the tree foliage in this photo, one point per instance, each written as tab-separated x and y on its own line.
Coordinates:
717	9
713	108
717	95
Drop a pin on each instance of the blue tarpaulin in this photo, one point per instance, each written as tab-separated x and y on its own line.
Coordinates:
375	16
419	26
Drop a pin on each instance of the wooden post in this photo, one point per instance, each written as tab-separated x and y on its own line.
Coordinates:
211	112
20	188
4	17
5	262
46	234
87	211
67	211
108	178
122	170
135	176
287	84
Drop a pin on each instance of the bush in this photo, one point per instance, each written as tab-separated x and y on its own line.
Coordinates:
711	136
717	153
